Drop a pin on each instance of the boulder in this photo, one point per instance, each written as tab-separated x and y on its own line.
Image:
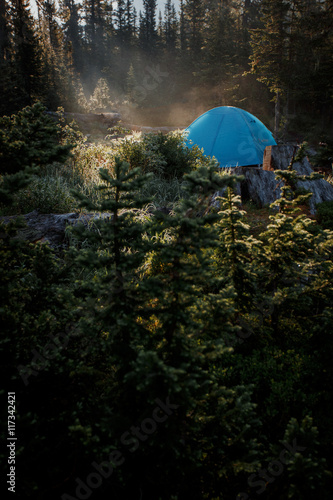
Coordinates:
51	228
280	158
258	185
261	186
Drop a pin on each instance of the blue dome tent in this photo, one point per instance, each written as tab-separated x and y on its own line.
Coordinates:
232	135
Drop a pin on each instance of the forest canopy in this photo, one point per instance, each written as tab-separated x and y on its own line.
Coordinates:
99	55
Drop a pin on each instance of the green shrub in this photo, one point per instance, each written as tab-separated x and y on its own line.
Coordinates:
325	214
136	154
165	155
323	159
30	138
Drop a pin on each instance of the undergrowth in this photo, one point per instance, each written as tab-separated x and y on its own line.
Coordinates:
53	190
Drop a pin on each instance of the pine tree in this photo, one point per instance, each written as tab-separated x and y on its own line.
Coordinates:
144	317
170	27
100	100
120	20
125	23
148	30
118	247
71	14
6	82
95	38
125	40
271	51
289	243
30	138
290	30
249	20
220	45
311	45
182	29
4	32
185	334
130	16
194	12
25	56
236	251
131	84
59	78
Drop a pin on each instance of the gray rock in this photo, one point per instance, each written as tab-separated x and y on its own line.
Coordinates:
321	190
51	228
261	186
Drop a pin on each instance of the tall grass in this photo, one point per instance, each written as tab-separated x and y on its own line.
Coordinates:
47	194
167	157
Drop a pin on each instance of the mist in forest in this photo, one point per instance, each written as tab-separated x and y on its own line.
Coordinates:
165	66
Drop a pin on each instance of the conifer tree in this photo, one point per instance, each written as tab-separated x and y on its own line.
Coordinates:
288	245
170	26
184	337
4	32
6	82
182	29
270	51
30	138
130	16
120	19
220	45
95	38
148	30
100	100
118	295
279	48
131	84
71	14
236	251
194	12
311	44
160	28
147	320
126	24
124	36
58	74
25	56
34	310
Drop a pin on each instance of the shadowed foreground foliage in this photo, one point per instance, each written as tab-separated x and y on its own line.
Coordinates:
170	355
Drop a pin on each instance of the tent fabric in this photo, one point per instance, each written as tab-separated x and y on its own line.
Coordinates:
234	136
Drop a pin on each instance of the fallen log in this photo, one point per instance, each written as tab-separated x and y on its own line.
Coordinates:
105	120
146	130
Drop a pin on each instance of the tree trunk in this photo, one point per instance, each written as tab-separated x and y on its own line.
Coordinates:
3	31
277	115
